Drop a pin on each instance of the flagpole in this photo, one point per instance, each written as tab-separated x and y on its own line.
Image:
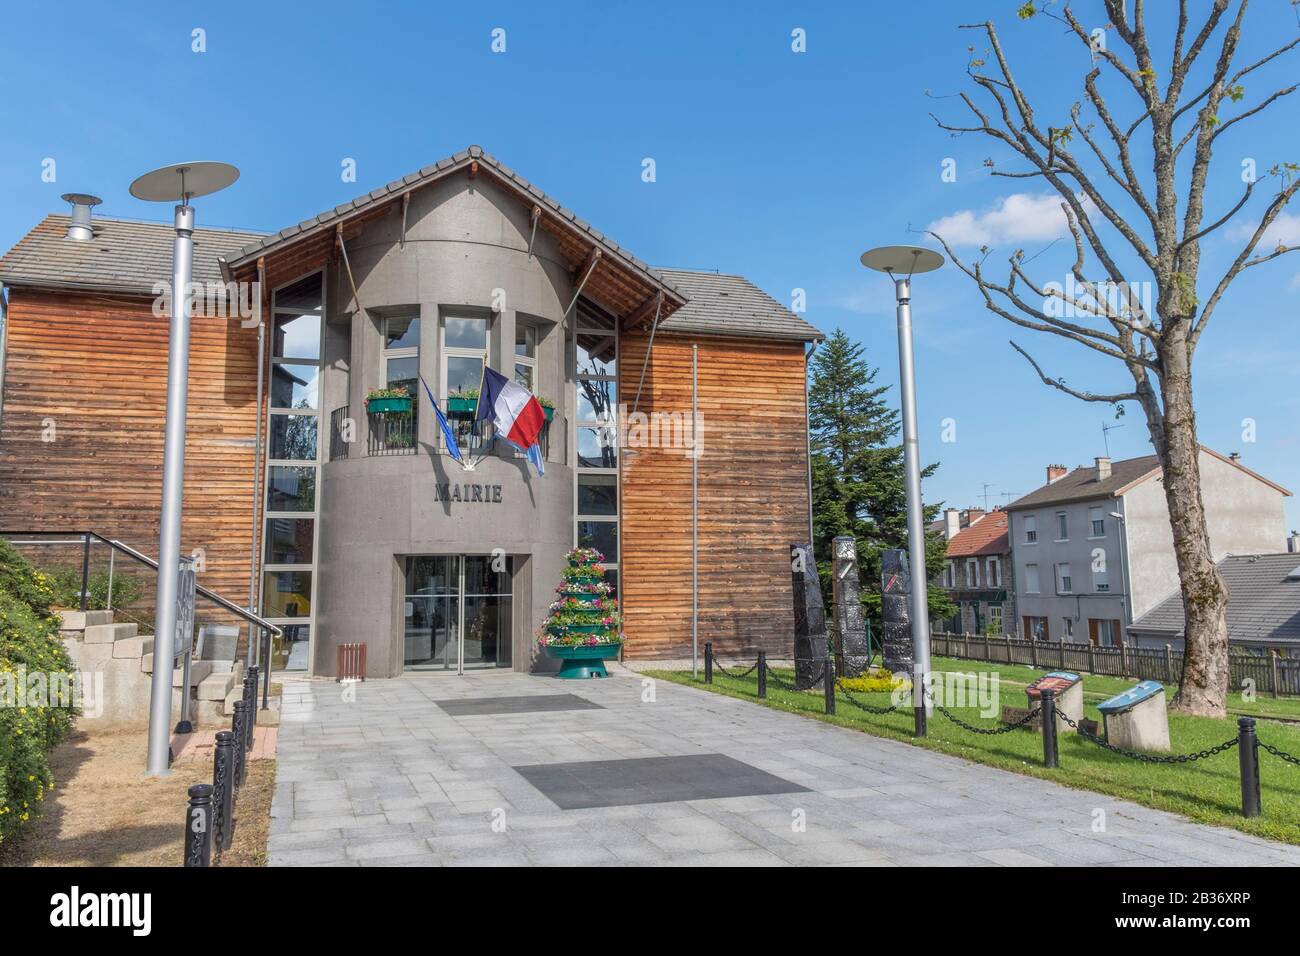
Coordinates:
695	518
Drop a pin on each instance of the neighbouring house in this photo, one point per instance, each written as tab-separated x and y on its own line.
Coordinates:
1094	550
347	524
977	575
1263	607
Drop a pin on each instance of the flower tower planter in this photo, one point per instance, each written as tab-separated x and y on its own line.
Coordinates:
582	631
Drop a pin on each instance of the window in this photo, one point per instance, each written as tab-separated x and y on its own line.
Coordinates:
1036	629
1063	585
972	573
1100	579
402	353
1031	579
526	356
950	574
464	353
1067	627
292	474
1031	529
993	572
595	432
1062	527
995	618
1097	521
1107	631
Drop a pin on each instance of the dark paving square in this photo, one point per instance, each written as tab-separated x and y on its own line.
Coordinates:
527	704
617	783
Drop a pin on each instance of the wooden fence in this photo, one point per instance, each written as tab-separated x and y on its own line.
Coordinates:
1273	675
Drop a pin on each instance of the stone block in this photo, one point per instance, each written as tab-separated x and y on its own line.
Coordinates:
216	686
91	656
133	647
80	620
108	633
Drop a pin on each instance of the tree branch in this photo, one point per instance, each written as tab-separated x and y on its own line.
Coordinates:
1060	385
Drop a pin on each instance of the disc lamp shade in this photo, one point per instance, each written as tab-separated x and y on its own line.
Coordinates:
182	182
902	260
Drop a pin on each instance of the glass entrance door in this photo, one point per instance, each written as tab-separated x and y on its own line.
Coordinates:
458	612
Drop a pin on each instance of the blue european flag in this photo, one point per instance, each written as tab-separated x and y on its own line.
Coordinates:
447	433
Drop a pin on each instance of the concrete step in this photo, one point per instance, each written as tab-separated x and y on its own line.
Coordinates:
80	620
108	633
217	686
133	647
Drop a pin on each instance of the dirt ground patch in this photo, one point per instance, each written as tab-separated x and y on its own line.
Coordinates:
103	812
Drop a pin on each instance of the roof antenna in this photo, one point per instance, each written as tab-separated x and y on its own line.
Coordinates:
1105	435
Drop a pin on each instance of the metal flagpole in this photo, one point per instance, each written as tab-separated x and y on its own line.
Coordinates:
695	513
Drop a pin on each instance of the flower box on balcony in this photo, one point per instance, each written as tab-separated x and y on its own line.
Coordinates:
460	405
548	411
400	405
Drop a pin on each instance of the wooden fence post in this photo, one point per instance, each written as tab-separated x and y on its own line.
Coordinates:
1123	658
1169	664
1272	660
1092	659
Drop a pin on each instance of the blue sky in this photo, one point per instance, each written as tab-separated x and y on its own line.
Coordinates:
779	165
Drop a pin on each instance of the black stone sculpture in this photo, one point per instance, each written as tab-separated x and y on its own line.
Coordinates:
855	654
809	618
896	591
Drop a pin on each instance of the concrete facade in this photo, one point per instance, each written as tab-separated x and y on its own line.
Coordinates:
1119	574
465	253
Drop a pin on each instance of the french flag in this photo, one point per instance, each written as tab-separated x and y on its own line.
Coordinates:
514	411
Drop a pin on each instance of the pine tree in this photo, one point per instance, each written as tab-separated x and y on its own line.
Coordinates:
859	486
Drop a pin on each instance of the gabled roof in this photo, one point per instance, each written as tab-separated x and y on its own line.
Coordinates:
720	304
1082	483
126	255
986	536
476	159
1263	601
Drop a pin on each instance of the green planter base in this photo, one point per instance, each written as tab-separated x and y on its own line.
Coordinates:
582	661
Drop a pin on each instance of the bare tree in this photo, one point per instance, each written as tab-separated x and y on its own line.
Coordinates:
1137	233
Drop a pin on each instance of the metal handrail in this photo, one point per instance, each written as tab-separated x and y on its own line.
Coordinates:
131	552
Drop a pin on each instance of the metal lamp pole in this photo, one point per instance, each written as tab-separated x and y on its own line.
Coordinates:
171	183
907	261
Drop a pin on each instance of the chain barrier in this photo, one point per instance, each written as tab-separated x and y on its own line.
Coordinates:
870	708
1280	753
772	676
1148	758
717	665
986	731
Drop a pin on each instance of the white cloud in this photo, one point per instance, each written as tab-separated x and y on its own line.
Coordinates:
1020	217
1284	229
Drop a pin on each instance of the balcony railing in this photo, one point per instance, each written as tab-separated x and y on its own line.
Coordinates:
393	433
397	433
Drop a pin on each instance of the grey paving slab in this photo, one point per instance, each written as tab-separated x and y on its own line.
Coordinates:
390	776
522	704
637	780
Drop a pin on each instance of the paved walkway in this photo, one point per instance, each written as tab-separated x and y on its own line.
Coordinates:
392	779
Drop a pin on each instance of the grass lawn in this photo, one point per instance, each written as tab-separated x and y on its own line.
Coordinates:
1285	708
1207	791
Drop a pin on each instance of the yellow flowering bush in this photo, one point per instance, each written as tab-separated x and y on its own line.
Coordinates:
878	681
32	659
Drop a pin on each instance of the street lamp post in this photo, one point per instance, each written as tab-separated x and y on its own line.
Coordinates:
182	183
901	263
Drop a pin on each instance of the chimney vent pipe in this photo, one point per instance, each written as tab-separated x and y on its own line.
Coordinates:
80	228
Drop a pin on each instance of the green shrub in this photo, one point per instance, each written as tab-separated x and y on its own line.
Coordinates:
32	657
66	582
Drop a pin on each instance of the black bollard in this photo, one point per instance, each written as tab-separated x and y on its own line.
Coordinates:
1049	728
708	662
762	674
223	786
238	732
828	683
250	706
1248	745
198	826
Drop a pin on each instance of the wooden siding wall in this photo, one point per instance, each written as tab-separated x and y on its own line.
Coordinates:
753	497
97	367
